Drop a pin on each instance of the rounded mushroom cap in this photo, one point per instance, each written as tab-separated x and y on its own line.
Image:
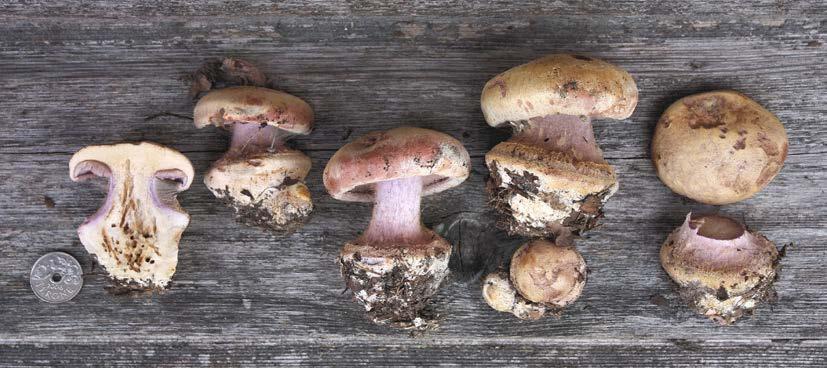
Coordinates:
404	152
559	84
544	272
718	147
718	253
254	105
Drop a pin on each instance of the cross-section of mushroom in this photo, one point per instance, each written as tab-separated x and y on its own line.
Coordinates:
397	263
135	233
259	177
551	173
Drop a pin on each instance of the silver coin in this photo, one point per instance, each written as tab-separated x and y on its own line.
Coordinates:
56	277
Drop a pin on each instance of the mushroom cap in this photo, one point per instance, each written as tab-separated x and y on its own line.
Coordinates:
254	105
559	84
718	147
403	152
544	272
395	282
265	189
135	233
146	158
714	252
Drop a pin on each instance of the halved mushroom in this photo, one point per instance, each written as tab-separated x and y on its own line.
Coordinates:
551	174
259	177
135	233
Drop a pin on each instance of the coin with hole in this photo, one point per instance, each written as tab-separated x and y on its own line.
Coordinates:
56	277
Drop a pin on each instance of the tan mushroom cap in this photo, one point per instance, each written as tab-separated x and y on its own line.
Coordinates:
718	147
404	152
254	105
544	272
559	84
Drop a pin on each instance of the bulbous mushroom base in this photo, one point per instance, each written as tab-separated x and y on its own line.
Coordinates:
501	295
723	308
395	282
265	190
723	270
538	191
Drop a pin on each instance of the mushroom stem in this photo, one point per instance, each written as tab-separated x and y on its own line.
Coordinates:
561	133
396	213
254	138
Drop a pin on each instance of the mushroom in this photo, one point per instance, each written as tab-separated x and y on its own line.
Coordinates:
718	147
544	278
723	270
551	173
259	177
397	263
135	233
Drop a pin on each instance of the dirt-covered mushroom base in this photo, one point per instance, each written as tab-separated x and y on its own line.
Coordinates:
526	209
394	284
723	308
283	209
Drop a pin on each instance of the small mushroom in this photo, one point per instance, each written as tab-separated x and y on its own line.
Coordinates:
259	177
135	233
551	173
722	269
397	263
544	278
718	147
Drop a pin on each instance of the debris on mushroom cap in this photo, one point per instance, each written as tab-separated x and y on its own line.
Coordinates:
264	189
394	282
723	269
254	105
219	73
440	159
544	278
559	84
718	147
135	233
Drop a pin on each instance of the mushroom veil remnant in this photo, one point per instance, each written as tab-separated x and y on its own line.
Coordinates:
723	269
718	147
551	173
135	233
259	176
543	279
397	263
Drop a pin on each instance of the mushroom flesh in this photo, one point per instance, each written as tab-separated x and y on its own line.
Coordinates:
135	233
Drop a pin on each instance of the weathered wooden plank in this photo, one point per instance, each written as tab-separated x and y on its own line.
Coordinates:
77	73
415	353
178	8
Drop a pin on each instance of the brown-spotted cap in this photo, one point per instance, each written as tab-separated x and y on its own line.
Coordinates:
254	105
559	84
404	152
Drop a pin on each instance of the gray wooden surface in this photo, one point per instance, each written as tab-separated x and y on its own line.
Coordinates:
75	73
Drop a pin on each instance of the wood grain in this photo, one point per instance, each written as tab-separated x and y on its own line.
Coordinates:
78	73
